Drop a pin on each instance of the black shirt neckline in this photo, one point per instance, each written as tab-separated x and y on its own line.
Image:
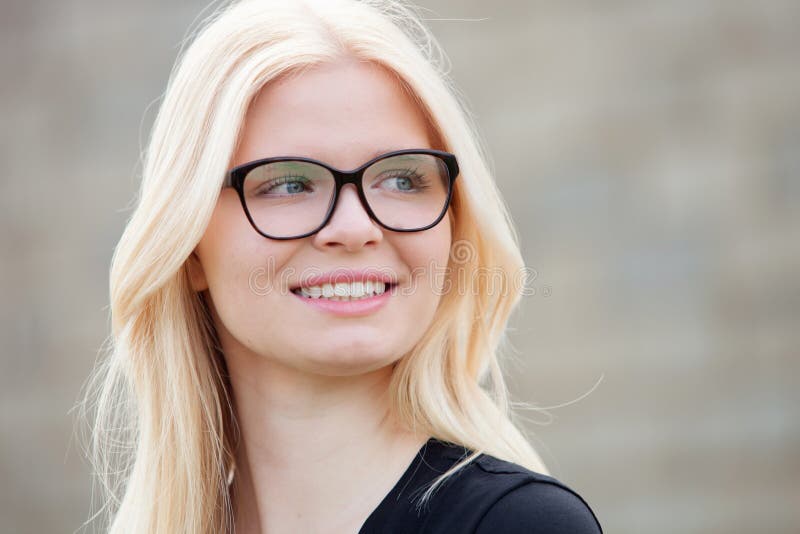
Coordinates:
430	449
463	505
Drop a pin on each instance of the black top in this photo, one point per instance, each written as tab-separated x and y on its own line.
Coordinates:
488	496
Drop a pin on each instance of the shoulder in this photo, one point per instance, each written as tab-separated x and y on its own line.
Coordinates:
491	496
486	496
530	502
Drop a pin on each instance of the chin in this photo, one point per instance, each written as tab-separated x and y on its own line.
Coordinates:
346	360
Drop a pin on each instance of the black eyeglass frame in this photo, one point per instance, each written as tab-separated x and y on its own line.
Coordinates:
236	177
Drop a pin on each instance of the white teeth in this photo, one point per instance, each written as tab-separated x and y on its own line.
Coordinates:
327	290
344	291
314	292
358	289
341	290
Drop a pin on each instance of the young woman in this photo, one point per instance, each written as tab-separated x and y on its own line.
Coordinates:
301	328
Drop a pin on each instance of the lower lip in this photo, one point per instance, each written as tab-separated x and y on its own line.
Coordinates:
349	308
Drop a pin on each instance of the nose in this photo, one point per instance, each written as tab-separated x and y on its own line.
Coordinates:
350	226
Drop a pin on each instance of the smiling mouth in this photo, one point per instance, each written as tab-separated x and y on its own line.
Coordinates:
345	291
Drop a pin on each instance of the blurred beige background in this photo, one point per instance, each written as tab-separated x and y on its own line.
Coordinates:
650	155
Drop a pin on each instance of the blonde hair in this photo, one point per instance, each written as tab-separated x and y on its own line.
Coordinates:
163	429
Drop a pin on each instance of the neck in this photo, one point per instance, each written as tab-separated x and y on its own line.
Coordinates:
315	450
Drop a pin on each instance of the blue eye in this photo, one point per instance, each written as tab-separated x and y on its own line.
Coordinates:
285	186
404	180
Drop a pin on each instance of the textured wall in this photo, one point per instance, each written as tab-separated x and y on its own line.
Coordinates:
649	153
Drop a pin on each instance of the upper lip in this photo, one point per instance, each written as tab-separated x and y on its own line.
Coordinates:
347	276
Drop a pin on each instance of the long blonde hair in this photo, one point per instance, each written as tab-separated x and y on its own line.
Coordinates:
163	429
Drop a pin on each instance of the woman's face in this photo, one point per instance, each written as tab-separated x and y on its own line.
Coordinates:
343	114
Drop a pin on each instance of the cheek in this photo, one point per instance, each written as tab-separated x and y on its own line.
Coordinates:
427	254
240	267
227	247
246	293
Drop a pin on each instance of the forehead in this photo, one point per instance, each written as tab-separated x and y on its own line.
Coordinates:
343	113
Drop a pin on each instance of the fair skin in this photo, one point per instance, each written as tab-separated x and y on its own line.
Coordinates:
318	450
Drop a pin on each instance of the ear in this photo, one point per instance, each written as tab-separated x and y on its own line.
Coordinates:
197	276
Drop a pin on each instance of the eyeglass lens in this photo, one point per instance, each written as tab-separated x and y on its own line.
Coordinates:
291	198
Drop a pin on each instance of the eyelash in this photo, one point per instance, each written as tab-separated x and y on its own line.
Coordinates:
280	180
420	181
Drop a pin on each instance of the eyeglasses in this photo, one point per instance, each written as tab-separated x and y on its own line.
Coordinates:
292	197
